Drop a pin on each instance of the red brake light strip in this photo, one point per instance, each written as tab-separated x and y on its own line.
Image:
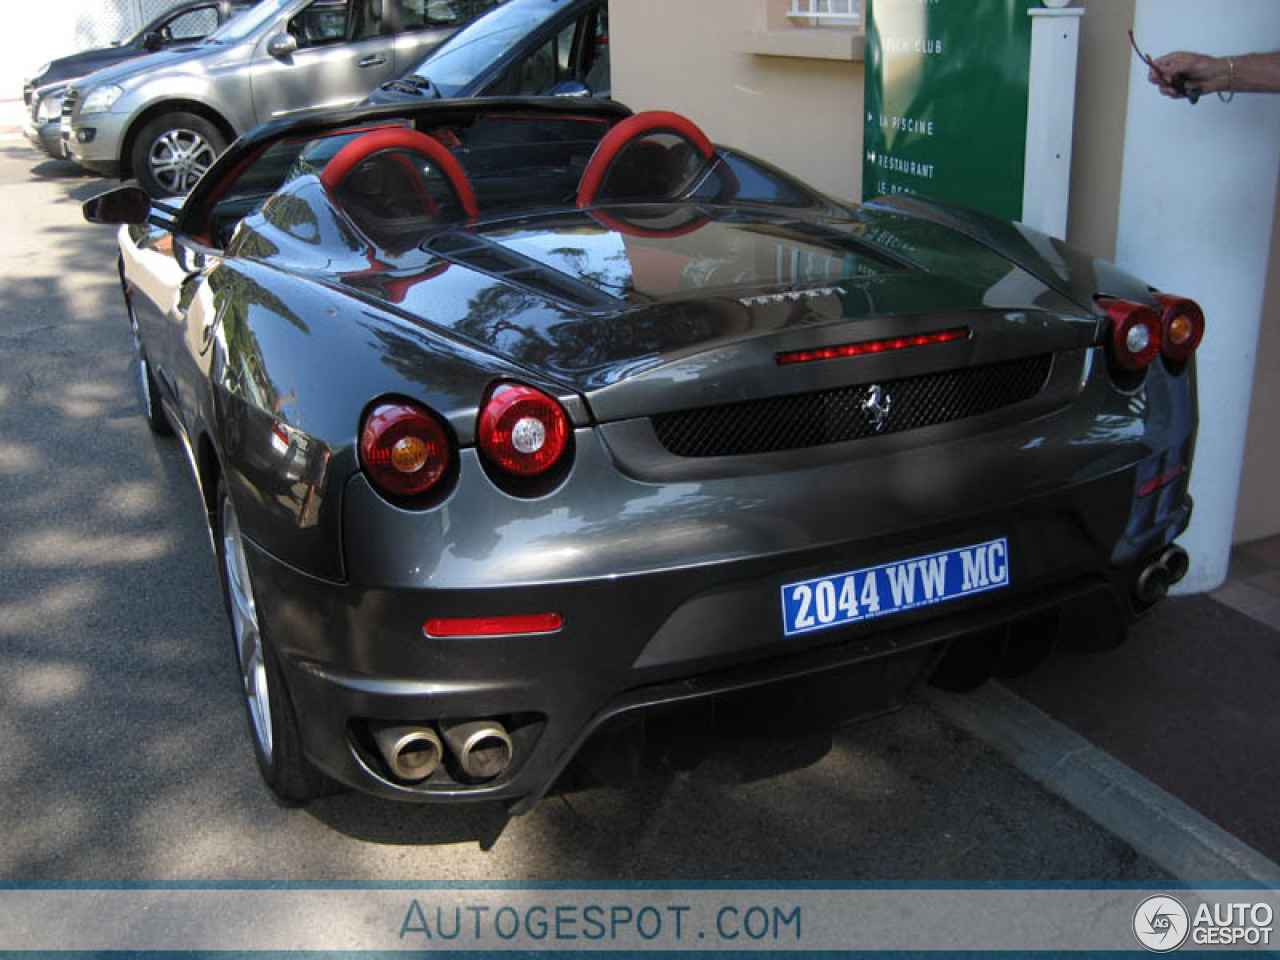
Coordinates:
1162	481
865	347
493	626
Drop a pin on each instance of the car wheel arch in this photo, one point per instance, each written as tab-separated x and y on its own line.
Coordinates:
162	107
208	472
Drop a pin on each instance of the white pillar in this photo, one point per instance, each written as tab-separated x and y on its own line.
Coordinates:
1051	108
1197	198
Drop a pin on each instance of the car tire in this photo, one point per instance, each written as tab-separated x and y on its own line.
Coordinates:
148	394
273	722
172	151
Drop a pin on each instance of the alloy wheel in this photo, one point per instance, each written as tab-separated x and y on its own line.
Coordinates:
140	363
245	628
178	158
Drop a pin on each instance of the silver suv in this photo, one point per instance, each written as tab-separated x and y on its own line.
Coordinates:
165	118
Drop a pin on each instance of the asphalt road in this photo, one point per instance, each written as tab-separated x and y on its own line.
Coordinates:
123	750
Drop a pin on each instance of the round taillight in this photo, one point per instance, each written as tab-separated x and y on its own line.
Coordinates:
1183	327
1136	333
522	431
403	449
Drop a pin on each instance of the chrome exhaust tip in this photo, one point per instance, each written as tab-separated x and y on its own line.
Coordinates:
411	753
1152	584
1175	560
483	748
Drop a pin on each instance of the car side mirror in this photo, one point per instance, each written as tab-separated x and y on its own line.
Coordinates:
570	88
152	40
282	46
121	205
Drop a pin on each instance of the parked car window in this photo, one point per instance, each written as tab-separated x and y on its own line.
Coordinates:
366	19
420	14
547	65
595	53
239	27
191	25
578	52
476	48
320	23
479	8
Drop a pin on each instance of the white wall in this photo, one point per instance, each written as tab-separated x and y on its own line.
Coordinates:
38	32
1197	204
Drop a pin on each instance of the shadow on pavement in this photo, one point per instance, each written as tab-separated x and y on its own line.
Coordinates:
1190	703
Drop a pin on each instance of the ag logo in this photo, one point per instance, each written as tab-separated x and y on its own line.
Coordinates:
1161	924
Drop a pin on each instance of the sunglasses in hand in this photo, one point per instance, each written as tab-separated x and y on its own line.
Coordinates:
1178	83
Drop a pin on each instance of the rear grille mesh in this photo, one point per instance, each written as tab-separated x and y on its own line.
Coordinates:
840	414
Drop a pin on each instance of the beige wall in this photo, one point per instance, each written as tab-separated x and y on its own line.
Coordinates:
1258	512
1102	92
802	113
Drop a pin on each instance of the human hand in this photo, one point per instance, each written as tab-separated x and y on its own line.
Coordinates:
1178	72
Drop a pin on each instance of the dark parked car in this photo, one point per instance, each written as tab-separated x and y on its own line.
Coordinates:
516	420
183	24
524	48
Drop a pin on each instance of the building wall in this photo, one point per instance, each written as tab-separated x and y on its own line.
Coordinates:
1258	511
1102	79
803	113
37	33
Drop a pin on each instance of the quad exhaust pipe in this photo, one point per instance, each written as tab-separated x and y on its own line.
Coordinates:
483	748
412	753
1175	560
1158	575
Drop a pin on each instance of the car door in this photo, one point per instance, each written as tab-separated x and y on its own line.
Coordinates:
344	48
172	309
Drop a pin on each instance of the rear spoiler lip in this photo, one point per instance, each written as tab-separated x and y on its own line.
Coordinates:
1046	259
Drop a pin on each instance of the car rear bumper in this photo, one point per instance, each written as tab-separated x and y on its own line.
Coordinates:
671	584
634	643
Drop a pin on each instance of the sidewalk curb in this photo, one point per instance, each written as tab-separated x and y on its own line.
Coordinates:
1152	821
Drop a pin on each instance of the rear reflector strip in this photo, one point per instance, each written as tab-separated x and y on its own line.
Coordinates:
1162	481
865	347
493	626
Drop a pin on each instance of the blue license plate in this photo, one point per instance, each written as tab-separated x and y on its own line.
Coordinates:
890	588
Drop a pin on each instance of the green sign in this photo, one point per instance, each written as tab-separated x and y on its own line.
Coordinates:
946	101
